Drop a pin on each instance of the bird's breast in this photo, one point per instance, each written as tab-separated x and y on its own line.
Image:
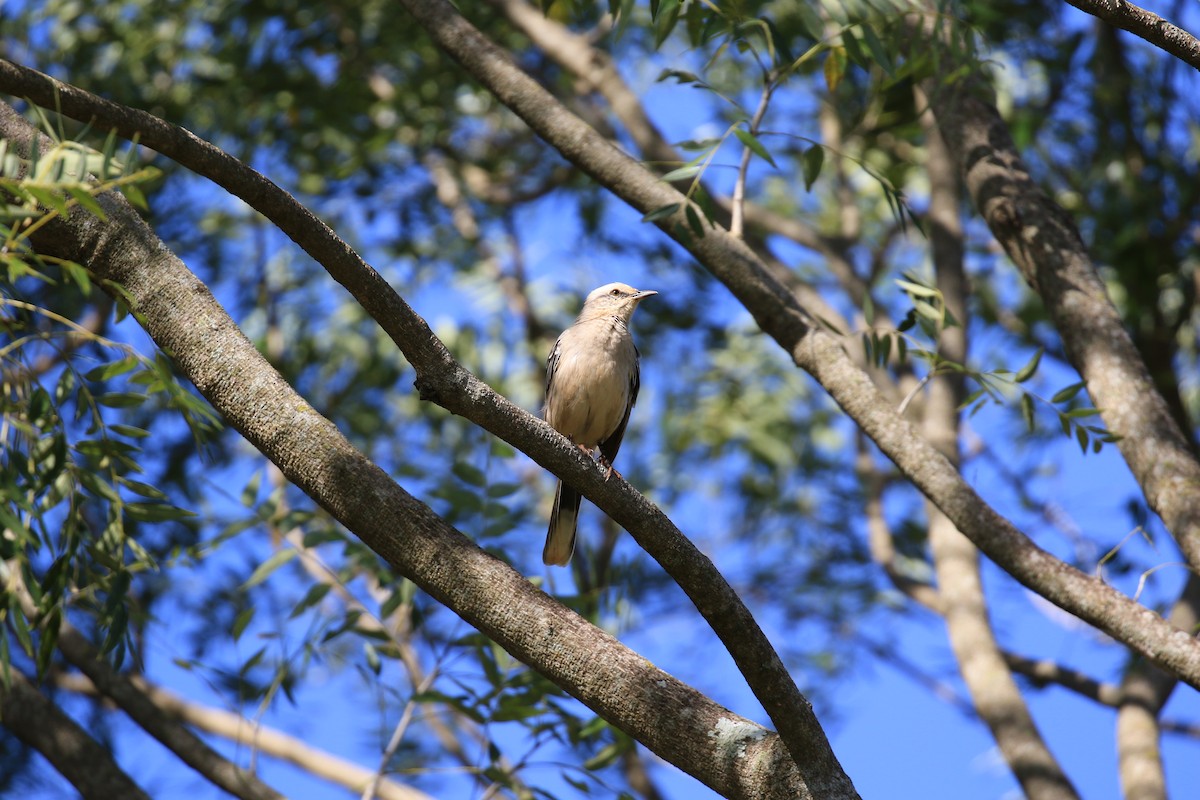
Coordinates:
590	388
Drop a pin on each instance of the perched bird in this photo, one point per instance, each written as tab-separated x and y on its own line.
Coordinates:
592	381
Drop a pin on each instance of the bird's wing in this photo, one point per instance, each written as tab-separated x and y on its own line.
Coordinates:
552	365
610	446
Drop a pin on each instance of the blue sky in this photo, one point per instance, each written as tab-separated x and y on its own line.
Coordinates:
895	738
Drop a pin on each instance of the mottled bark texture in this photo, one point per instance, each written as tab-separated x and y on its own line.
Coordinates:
442	380
728	753
1041	239
779	315
1146	24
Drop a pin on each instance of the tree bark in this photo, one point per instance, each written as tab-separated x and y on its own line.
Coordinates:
734	756
779	315
1041	239
39	723
994	694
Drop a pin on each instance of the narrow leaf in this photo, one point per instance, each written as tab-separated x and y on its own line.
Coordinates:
265	569
814	159
1067	392
756	147
1026	372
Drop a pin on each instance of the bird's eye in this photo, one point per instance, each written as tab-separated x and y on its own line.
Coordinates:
615	292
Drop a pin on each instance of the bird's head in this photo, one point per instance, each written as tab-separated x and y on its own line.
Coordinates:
613	300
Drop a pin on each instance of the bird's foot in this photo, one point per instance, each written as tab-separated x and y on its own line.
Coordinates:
609	469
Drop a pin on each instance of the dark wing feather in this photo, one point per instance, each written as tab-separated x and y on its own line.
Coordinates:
552	368
610	446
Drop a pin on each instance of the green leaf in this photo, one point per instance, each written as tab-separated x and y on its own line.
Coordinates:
264	570
694	222
813	27
469	474
315	594
813	159
1026	372
250	490
79	275
1027	409
665	20
756	147
878	52
158	512
129	430
1067	392
683	173
87	202
661	212
121	399
241	621
916	289
112	369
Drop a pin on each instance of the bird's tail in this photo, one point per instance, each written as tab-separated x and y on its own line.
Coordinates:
560	539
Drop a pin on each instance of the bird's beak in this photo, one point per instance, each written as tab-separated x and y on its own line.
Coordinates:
643	294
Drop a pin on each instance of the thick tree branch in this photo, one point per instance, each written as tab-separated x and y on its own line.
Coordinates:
732	755
1146	24
596	70
1144	692
777	313
1043	242
238	729
40	724
994	693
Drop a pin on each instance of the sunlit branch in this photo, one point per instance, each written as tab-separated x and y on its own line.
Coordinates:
141	709
216	356
1147	25
738	202
265	739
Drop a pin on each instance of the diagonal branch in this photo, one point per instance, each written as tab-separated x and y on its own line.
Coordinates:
43	726
732	755
149	716
237	728
1146	24
993	690
777	313
1041	239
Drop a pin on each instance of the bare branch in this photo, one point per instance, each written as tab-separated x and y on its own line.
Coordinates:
1041	239
777	313
738	201
994	693
237	728
43	726
1042	672
1146	24
184	319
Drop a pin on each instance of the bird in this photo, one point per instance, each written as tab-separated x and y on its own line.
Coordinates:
592	382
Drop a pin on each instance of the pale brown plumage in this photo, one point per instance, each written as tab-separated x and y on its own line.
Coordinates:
592	381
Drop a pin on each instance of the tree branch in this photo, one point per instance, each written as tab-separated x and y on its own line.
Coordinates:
994	693
238	729
40	724
777	313
1146	24
728	753
1041	239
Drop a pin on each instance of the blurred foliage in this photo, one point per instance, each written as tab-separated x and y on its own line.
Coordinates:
131	512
